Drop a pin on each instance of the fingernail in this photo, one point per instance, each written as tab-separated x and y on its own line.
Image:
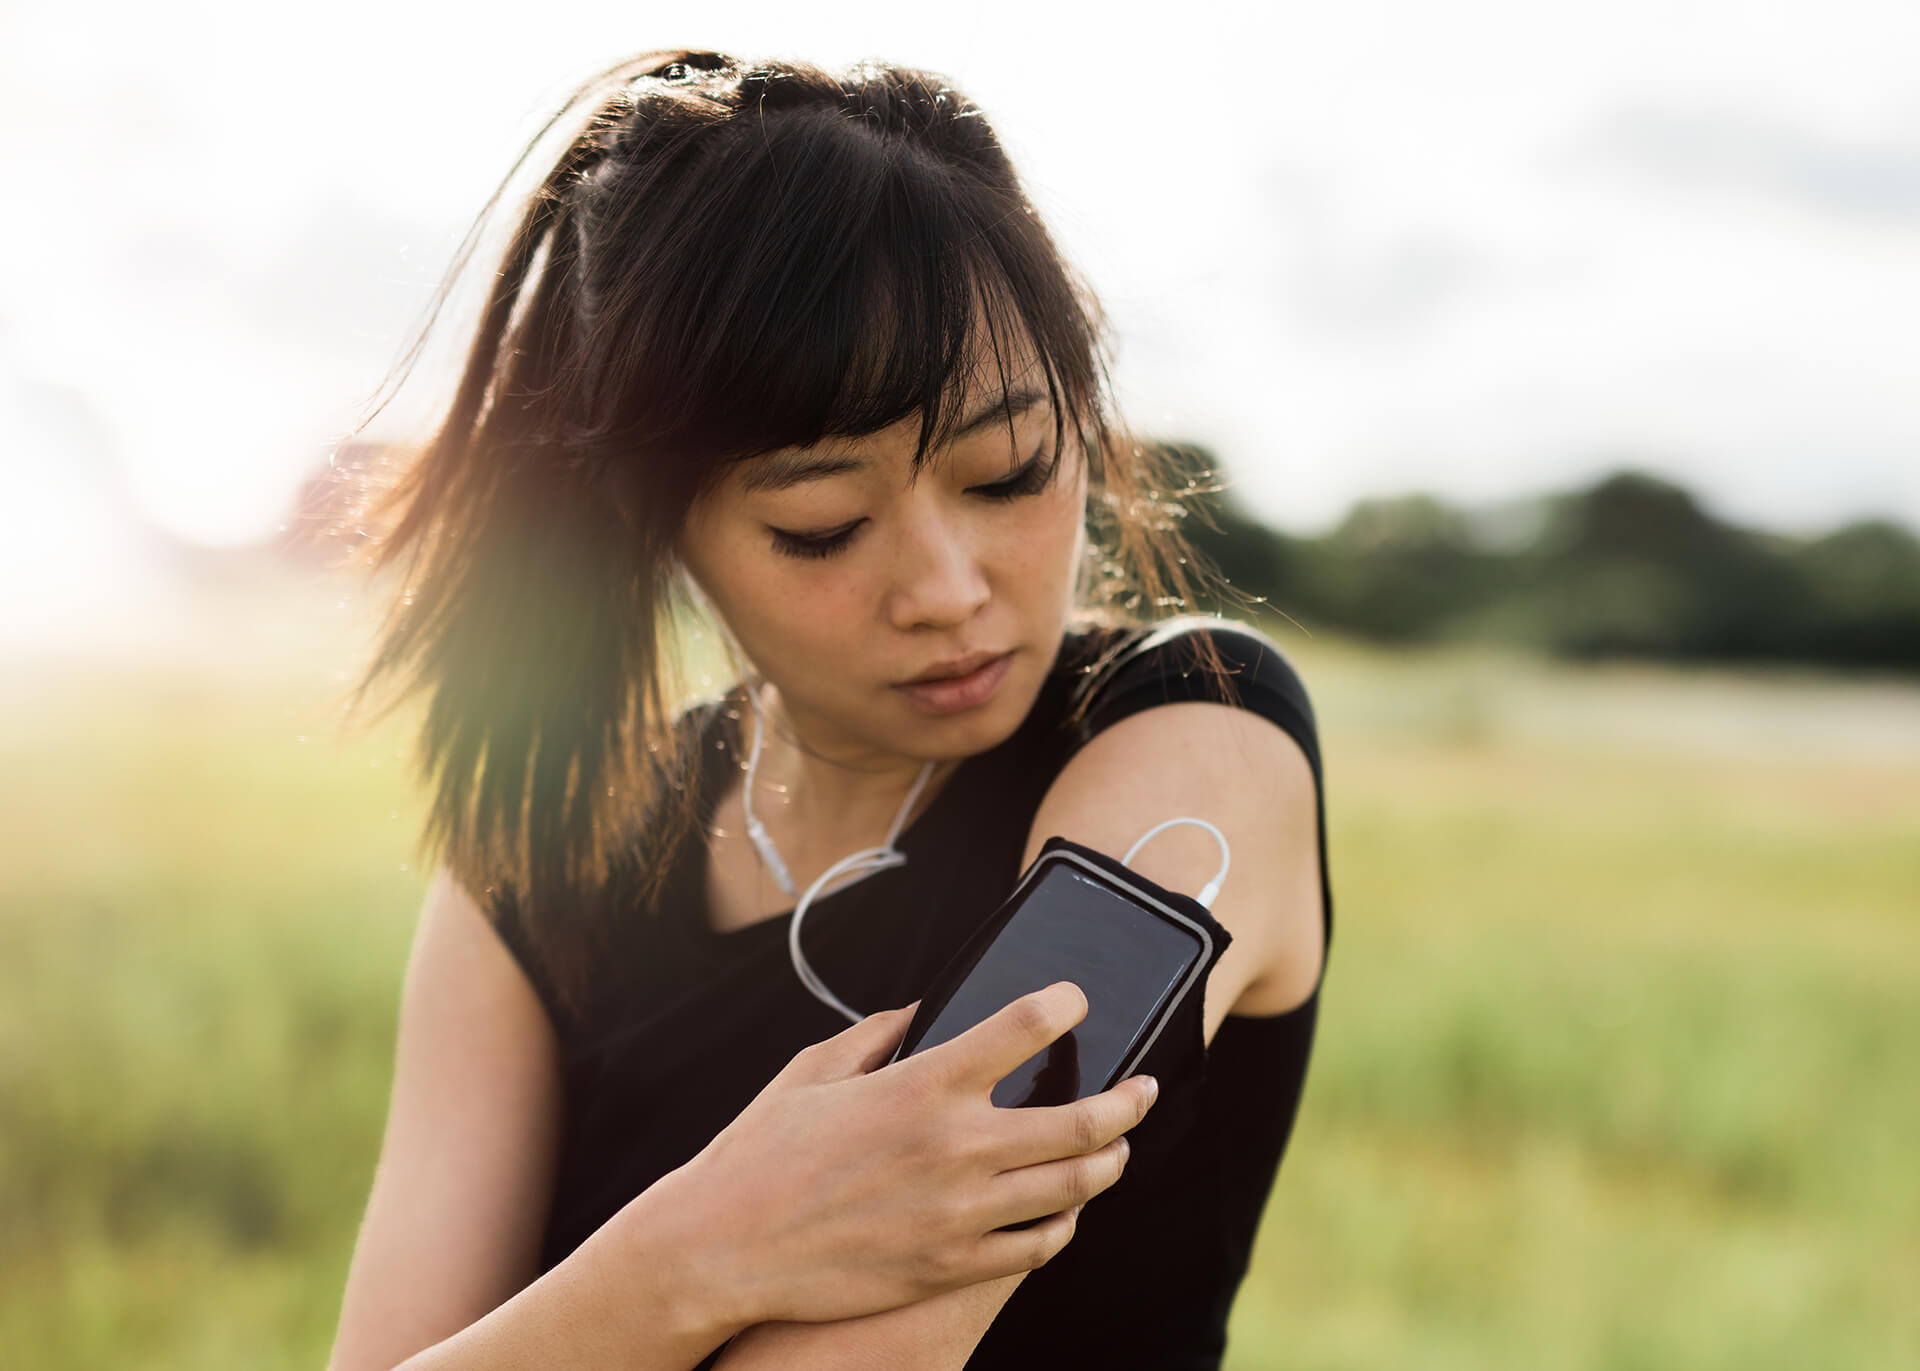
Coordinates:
1126	1148
1153	1089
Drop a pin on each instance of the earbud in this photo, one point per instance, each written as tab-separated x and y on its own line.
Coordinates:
770	855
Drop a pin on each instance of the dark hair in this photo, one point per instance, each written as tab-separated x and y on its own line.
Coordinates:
726	259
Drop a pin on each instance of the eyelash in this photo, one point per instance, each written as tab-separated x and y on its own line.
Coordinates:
1031	479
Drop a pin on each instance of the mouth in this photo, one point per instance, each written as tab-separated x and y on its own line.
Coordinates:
963	683
954	668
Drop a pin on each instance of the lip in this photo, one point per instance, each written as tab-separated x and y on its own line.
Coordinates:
954	668
949	694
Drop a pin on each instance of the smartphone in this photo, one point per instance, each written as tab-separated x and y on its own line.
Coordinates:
1076	915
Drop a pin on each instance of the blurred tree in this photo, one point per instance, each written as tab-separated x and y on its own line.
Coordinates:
1632	565
1863	590
1403	568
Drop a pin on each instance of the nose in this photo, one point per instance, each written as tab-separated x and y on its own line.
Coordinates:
938	579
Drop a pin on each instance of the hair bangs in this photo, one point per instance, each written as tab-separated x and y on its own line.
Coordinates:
845	282
931	332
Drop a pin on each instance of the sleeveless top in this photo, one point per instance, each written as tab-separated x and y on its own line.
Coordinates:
693	1022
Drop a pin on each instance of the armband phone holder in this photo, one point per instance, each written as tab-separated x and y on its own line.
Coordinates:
1140	953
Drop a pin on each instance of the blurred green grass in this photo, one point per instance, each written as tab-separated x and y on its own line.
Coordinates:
1614	1068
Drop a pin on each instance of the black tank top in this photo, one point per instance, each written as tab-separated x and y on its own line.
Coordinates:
690	1023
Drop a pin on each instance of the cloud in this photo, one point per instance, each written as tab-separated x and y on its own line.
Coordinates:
1757	153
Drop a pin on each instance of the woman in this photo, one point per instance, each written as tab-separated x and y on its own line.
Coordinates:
787	352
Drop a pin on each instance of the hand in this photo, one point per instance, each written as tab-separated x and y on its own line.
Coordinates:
848	1187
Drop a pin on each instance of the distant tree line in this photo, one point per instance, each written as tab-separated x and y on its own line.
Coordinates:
1631	566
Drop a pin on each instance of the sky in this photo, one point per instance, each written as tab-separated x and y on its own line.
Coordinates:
1486	249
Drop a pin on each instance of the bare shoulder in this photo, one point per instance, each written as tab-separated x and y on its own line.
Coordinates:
1251	779
460	1196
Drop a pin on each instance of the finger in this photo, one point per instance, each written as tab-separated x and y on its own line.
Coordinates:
1024	1249
1000	1042
857	1048
1033	1192
1031	1136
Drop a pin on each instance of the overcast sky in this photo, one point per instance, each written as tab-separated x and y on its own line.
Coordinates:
1483	248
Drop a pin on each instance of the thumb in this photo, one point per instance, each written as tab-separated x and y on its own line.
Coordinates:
865	1046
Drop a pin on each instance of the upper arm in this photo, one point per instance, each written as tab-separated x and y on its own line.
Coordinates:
459	1201
1248	777
1245	775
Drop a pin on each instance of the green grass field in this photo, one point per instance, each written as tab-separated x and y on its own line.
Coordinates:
1615	1067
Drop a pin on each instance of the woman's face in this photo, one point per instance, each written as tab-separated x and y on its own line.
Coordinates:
844	583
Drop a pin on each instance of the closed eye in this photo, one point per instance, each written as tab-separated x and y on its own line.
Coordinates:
1030	479
813	544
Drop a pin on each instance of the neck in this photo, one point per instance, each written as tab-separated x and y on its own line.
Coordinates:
826	791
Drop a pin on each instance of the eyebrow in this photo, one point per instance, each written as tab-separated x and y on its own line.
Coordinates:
784	470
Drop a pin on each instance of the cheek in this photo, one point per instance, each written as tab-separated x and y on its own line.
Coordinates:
788	609
733	574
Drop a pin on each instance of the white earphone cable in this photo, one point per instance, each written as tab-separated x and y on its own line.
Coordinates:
1211	890
756	831
863	863
869	860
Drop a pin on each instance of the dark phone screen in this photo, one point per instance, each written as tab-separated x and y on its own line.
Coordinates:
1071	927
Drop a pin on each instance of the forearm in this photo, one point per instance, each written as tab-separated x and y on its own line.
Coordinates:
637	1295
937	1334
